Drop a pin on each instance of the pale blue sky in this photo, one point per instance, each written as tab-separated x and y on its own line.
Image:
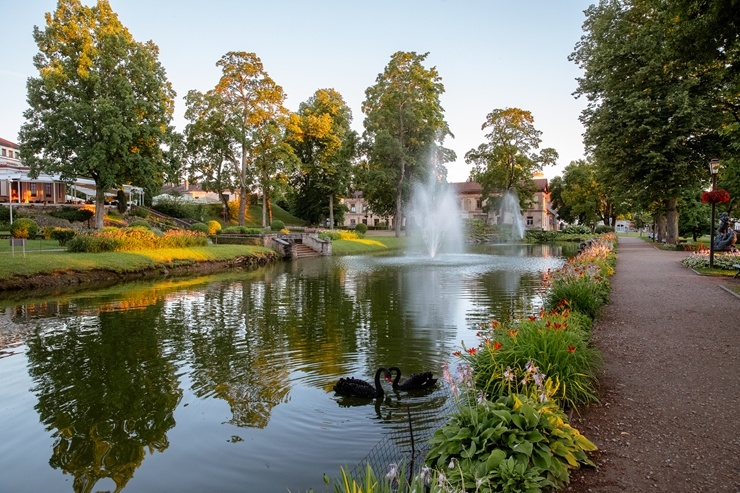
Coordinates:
489	53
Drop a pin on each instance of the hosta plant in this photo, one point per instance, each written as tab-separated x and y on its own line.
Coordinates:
513	443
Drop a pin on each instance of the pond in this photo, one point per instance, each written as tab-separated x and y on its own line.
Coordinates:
224	383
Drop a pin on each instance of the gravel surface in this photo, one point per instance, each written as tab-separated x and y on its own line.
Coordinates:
670	393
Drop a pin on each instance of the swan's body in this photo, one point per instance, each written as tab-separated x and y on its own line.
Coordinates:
413	382
353	387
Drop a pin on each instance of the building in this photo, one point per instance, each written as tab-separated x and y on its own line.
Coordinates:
17	187
539	216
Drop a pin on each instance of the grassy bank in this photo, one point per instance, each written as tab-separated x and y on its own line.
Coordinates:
368	244
119	262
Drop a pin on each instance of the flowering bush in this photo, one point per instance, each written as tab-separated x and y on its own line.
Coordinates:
722	260
545	357
511	443
718	196
132	239
24	228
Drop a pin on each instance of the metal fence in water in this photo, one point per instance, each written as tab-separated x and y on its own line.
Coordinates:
407	443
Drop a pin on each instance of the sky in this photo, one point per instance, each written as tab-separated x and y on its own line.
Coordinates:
490	54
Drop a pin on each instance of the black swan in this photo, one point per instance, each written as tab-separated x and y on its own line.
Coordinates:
353	387
415	381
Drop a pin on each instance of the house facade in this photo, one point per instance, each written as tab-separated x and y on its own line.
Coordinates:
539	216
17	187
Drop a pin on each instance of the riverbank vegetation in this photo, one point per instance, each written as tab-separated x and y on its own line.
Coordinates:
514	391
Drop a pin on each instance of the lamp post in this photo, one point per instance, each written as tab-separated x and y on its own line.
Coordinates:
714	169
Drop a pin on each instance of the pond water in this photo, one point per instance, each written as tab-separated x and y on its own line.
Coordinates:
224	383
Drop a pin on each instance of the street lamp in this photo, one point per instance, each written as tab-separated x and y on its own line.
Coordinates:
714	169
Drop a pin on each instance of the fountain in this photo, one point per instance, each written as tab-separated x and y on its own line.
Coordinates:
434	219
511	214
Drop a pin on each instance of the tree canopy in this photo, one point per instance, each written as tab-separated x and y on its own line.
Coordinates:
404	133
326	146
509	158
101	105
661	81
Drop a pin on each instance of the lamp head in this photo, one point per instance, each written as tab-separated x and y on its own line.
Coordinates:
714	166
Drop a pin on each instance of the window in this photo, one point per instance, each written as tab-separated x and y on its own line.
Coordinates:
530	221
4	152
33	189
352	209
17	155
47	189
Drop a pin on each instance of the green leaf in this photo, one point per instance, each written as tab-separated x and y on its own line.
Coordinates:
495	458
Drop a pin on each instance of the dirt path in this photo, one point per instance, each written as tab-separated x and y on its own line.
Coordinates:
669	417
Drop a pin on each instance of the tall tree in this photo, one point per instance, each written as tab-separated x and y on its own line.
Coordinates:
656	80
101	105
509	158
404	129
324	143
256	117
211	154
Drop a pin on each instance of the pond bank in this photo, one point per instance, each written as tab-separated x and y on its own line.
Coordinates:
178	264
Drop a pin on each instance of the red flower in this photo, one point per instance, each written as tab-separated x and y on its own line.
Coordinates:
571	349
496	345
513	333
715	196
494	323
456	353
471	350
531	318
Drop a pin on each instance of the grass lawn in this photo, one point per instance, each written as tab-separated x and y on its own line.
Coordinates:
369	244
41	262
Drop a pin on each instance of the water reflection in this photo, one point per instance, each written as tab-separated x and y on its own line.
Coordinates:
239	368
107	393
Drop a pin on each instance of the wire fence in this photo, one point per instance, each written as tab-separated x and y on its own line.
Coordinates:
413	424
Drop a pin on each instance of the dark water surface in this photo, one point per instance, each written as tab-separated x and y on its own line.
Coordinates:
224	383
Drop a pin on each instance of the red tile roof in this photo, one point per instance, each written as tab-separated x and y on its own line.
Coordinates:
8	143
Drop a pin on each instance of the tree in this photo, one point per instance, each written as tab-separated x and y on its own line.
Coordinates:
404	127
582	195
508	160
101	105
256	119
323	141
661	95
211	155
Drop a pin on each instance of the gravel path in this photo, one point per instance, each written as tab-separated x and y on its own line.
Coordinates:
669	416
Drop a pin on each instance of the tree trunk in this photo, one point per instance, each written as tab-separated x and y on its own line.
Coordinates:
398	219
264	209
660	227
99	206
672	221
331	210
243	186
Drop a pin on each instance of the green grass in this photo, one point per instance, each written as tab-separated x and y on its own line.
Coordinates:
31	246
369	244
254	217
122	262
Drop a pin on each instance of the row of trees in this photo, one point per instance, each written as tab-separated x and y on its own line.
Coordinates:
102	106
662	84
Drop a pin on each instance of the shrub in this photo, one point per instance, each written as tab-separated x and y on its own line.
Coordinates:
131	239
576	229
512	443
200	227
361	228
555	344
171	206
122	201
277	225
602	228
213	227
140	212
4	214
244	230
24	228
139	223
73	214
722	260
63	235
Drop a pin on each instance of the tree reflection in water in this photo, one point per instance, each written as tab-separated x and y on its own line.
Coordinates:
107	392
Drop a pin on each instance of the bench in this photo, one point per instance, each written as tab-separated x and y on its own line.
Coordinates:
736	266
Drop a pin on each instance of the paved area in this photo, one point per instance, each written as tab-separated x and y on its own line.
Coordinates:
669	420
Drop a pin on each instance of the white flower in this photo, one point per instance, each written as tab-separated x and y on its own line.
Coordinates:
481	397
539	378
509	375
452	464
393	471
543	396
426	474
441	479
